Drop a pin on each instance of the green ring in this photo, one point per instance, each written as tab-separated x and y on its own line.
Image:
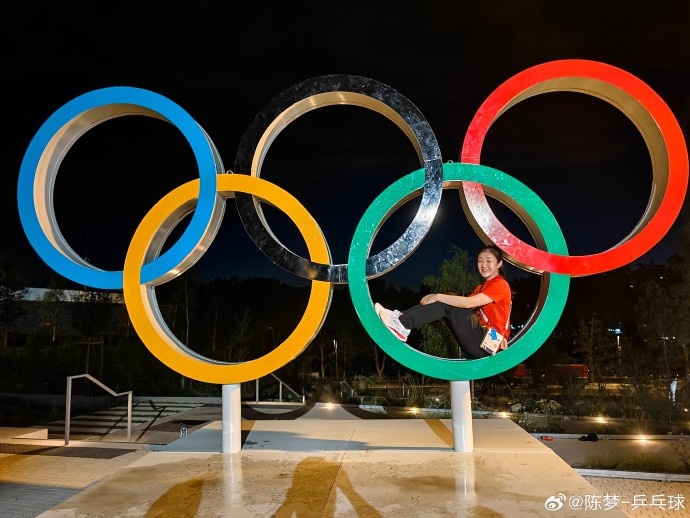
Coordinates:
543	320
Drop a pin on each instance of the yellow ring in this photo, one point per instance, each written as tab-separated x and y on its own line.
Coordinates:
143	308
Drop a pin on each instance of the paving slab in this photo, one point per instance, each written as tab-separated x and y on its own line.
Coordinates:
320	460
331	467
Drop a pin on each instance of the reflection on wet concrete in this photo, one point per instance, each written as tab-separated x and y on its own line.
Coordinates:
308	469
181	501
371	485
311	494
441	431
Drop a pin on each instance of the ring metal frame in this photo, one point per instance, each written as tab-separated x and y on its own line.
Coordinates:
650	114
321	92
146	267
58	134
143	307
541	322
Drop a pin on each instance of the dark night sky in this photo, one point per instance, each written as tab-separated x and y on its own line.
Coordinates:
222	62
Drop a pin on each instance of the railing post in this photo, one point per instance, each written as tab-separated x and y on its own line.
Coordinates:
281	385
129	417
68	405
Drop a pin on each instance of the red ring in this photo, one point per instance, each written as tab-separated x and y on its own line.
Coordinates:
630	95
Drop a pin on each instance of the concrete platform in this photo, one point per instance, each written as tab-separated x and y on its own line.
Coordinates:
343	467
34	432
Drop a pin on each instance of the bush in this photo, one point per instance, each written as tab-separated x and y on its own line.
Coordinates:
19	413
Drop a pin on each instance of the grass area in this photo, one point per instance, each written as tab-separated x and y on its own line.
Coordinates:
645	463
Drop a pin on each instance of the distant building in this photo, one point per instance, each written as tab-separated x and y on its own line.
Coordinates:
48	317
40	294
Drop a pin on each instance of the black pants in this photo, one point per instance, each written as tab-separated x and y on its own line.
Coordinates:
463	323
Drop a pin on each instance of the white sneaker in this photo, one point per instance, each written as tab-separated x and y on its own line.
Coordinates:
390	318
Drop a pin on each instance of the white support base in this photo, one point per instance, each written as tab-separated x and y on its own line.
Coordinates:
461	415
232	419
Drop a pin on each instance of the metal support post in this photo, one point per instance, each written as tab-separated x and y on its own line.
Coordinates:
68	410
461	415
232	418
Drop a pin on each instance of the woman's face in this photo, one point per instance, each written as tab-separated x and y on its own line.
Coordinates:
488	265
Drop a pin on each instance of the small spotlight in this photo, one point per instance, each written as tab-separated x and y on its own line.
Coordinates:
600	419
414	410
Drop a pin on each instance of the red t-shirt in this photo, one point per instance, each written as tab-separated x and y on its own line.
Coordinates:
498	311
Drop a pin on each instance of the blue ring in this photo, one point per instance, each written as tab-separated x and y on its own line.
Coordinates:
61	119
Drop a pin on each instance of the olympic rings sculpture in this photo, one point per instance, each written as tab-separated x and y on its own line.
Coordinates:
145	267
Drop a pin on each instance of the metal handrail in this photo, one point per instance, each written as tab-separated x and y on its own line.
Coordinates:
281	383
352	391
280	389
68	404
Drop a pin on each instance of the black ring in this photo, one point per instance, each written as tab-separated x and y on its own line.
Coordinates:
328	91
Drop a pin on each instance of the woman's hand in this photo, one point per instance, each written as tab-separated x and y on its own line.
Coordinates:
476	300
428	299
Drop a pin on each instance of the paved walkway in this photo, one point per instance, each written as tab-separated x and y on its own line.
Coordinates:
641	494
319	461
645	498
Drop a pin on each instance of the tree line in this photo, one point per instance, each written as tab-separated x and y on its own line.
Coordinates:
631	322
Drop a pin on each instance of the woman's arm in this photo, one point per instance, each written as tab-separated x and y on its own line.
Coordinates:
473	301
